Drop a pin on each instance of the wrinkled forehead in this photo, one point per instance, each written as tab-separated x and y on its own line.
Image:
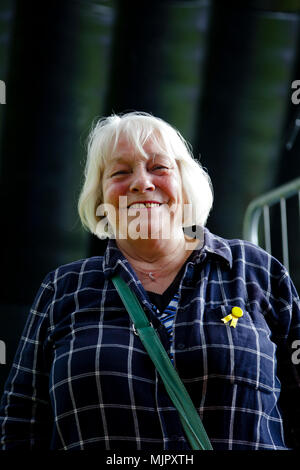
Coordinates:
128	146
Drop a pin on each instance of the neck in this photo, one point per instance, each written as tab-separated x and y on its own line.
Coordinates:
152	256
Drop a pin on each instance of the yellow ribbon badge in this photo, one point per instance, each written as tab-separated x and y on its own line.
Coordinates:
236	313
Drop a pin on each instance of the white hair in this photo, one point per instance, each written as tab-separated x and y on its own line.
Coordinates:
137	127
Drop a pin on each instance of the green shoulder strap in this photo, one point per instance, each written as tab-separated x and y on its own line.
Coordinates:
190	419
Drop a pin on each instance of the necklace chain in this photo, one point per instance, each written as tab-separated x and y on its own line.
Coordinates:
153	275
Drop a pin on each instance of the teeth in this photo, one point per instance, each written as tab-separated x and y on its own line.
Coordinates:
140	205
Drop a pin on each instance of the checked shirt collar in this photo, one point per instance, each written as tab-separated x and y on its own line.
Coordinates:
213	246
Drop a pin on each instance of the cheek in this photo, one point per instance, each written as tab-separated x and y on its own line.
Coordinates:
172	187
112	192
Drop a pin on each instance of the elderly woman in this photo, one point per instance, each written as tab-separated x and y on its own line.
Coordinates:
81	377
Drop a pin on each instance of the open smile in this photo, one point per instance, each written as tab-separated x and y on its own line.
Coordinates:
144	205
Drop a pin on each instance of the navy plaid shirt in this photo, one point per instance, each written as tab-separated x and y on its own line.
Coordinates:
81	378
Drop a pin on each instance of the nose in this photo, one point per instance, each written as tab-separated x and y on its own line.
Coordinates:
141	181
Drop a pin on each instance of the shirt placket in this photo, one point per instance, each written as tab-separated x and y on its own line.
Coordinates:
171	428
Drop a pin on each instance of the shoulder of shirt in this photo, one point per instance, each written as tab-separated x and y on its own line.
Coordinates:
81	266
251	249
246	251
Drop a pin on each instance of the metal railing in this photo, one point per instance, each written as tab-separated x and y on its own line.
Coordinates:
260	207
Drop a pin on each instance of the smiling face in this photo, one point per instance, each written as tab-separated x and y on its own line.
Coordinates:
141	188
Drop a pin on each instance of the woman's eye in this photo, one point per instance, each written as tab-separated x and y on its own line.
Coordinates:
120	172
159	167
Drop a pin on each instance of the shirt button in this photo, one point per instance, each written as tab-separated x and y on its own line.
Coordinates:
181	346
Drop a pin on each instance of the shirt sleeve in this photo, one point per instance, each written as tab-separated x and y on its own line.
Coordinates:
25	414
287	332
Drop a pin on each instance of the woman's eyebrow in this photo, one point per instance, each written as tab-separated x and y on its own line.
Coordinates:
117	159
123	158
158	154
153	155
